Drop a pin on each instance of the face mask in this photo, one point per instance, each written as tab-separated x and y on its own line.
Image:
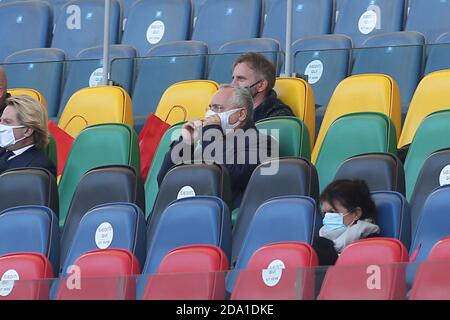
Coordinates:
224	118
7	135
334	220
253	92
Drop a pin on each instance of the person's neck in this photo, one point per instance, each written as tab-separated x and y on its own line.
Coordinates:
21	144
259	98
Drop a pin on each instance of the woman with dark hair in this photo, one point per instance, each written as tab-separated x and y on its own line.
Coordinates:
349	214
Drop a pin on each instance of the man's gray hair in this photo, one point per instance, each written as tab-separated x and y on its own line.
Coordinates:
242	98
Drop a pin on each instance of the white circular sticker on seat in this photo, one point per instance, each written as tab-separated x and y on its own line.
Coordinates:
7	282
367	22
155	32
104	235
272	275
444	177
314	71
96	77
186	192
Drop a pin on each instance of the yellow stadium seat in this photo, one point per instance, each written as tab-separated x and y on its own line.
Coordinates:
361	93
299	95
186	100
29	92
89	106
432	94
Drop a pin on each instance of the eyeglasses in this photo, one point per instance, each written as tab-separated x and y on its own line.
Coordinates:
218	108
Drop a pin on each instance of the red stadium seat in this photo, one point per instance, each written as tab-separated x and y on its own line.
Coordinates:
105	275
189	273
259	282
30	269
369	269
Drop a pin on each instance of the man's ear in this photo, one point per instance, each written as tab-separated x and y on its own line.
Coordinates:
28	132
242	114
262	85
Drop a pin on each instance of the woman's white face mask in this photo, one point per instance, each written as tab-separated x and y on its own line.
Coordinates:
7	137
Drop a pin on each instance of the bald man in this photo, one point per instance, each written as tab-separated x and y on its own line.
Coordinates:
3	90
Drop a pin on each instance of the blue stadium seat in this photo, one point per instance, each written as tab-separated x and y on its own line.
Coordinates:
360	19
27	68
197	6
155	22
223	21
289	218
87	72
56	7
126	6
163	66
80	26
25	25
438	54
30	229
430	17
393	216
221	64
309	18
397	54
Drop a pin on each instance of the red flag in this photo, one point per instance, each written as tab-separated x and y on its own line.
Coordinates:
149	138
64	143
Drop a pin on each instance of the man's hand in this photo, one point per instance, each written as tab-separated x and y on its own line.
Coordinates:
215	119
190	131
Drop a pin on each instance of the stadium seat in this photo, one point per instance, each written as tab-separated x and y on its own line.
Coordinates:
28	92
354	275
88	70
158	21
163	66
309	17
352	135
80	26
381	171
235	19
118	225
126	6
325	60
299	96
30	229
393	216
286	218
364	18
361	93
105	275
31	269
100	145
25	25
273	270
197	6
186	100
292	135
28	186
194	272
428	17
221	64
91	106
27	68
437	54
397	54
107	184
294	176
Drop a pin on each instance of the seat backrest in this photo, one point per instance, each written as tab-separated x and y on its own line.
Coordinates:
98	186
194	272
26	24
30	229
110	226
287	218
28	186
27	68
437	54
295	176
105	275
291	133
362	18
348	280
325	60
365	132
397	54
28	92
299	96
186	100
80	25
381	171
100	145
431	95
361	93
154	22
234	18
30	269
309	17
90	106
440	251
